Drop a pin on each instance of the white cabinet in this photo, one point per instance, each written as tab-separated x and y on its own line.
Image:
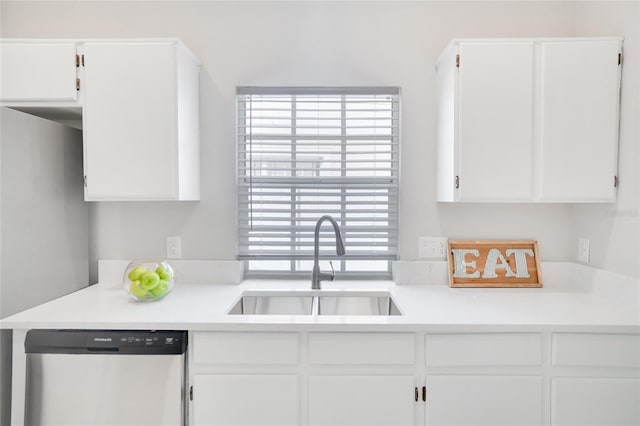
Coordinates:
475	379
488	400
494	121
579	100
362	400
248	378
528	120
311	378
362	379
137	102
355	378
596	379
595	401
246	399
140	121
38	71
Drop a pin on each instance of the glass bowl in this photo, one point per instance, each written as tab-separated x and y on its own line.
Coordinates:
149	280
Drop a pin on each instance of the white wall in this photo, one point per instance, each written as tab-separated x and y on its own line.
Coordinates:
44	222
305	43
614	230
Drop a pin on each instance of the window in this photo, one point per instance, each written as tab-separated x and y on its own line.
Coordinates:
308	152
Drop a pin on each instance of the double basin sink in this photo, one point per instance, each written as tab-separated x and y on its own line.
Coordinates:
315	302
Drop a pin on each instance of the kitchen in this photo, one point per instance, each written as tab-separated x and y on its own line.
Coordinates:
327	44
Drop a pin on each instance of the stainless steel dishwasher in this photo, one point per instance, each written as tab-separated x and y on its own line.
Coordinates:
93	377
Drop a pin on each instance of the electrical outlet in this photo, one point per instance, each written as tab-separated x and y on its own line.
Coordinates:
432	247
174	248
583	250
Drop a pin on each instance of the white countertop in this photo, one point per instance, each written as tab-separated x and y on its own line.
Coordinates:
574	297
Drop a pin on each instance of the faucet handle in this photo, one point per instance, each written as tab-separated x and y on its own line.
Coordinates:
333	271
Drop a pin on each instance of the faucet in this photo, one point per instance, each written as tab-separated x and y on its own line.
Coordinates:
317	275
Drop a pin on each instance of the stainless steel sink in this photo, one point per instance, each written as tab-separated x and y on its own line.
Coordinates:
276	304
315	302
357	305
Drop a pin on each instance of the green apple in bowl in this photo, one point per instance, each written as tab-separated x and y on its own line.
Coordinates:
149	280
136	290
136	273
161	289
164	271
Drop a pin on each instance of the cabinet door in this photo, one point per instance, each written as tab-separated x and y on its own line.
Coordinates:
495	125
250	400
579	113
595	401
38	71
362	400
130	121
484	400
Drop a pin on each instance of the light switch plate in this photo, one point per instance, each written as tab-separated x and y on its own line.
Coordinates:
583	250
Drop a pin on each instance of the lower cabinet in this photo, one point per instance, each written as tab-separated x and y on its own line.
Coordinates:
361	379
595	401
411	378
502	382
246	399
362	400
484	400
596	379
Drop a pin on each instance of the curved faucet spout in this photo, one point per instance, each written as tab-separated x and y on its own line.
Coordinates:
316	275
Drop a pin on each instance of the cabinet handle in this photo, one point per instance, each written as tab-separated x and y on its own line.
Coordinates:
457	182
416	394
424	393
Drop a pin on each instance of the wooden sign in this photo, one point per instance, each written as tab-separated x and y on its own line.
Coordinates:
494	264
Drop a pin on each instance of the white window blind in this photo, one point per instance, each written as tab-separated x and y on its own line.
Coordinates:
308	152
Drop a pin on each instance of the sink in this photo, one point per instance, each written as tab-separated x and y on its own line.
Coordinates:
357	305
315	302
273	304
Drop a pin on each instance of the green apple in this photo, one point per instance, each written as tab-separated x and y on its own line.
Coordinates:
136	273
136	290
149	280
165	273
161	289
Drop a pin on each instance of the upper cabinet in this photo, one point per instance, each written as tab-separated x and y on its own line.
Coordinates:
38	71
140	121
529	120
137	102
579	109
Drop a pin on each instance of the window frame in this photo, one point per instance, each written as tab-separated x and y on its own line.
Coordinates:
393	179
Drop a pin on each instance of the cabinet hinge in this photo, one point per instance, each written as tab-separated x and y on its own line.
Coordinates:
424	393
457	182
190	393
416	394
77	84
615	181
619	58
458	61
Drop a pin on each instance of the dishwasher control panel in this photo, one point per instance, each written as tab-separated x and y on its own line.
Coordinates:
131	342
